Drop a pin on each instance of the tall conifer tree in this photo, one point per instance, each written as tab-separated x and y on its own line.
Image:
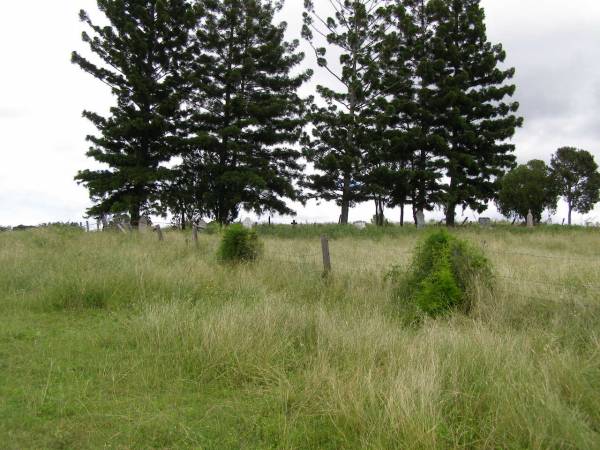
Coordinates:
343	129
246	115
139	55
413	151
474	112
412	64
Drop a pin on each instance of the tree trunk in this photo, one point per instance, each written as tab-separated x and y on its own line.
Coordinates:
450	213
570	211
402	214
451	203
345	202
134	214
379	212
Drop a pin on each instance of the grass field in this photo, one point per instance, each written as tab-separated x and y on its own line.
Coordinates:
119	341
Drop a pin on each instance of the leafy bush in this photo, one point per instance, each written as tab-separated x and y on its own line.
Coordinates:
239	245
442	275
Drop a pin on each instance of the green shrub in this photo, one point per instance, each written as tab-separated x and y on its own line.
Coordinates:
442	275
239	245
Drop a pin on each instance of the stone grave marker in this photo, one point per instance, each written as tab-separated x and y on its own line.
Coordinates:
247	223
420	219
485	221
143	224
529	219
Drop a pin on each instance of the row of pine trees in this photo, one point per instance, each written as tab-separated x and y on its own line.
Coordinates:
415	108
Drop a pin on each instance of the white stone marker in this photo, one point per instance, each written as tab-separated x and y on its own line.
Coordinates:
143	224
420	219
529	219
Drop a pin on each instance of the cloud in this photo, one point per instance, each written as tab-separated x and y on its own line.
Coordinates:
9	112
553	46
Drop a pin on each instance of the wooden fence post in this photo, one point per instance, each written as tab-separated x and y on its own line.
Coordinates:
326	255
160	233
87	225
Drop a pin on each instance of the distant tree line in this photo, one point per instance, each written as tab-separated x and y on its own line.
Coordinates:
208	120
572	174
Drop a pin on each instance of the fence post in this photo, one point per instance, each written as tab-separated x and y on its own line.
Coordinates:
326	255
160	233
87	225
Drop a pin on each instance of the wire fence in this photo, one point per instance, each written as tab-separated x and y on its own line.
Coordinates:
312	259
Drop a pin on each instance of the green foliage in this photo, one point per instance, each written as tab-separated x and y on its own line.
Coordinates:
530	187
472	97
139	55
245	114
343	128
442	274
239	245
578	179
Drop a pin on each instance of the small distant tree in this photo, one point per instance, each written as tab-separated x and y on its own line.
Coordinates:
578	179
528	187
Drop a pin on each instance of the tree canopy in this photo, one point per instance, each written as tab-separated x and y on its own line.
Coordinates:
578	179
528	187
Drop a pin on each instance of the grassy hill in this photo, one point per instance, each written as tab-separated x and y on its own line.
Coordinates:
121	341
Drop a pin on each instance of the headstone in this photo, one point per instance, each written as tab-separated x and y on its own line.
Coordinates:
361	225
485	221
420	219
159	232
294	223
529	219
247	223
143	224
201	225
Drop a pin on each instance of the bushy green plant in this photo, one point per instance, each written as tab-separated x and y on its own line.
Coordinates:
239	245
442	274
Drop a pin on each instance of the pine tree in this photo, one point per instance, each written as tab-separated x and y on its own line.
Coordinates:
578	179
343	129
414	148
471	108
139	56
246	115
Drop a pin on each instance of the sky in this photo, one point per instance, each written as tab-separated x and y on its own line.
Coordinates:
554	46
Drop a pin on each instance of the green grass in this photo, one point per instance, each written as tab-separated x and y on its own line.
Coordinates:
115	341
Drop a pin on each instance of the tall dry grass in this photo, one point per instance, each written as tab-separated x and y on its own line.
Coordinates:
125	342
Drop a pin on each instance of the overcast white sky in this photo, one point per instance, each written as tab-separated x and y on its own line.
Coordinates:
554	45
